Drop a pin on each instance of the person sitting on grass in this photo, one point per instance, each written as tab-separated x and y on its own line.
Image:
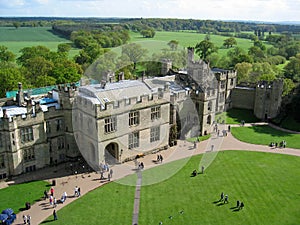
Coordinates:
194	173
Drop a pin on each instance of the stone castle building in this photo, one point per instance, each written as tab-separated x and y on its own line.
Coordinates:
115	121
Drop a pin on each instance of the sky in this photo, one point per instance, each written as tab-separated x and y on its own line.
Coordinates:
253	10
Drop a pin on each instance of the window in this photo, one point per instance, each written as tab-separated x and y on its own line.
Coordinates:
155	113
134	118
2	164
110	124
26	134
209	119
28	154
222	84
133	140
60	143
30	168
209	105
59	124
154	134
231	81
48	127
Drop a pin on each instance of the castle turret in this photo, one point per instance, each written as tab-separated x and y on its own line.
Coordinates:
20	95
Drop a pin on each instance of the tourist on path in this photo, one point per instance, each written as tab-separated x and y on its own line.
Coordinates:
54	215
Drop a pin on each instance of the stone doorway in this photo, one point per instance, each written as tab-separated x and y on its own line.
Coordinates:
112	155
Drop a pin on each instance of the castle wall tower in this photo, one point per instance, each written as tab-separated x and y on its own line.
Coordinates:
166	65
268	99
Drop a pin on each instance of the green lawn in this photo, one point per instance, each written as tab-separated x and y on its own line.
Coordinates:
264	135
235	116
202	138
268	184
291	124
15	196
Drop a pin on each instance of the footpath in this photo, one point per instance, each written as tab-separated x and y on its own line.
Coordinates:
87	182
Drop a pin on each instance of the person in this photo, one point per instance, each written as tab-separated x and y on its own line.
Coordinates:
54	215
51	200
28	219
101	174
195	145
52	191
237	204
161	158
194	173
222	196
79	192
226	199
158	158
25	219
229	128
54	202
76	191
111	173
202	169
45	194
241	205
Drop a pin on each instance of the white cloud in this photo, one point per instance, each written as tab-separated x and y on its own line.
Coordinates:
267	10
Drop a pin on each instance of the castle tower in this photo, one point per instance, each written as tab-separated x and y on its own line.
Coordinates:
166	65
268	99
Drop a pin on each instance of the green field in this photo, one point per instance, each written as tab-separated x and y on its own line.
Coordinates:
264	135
190	39
16	39
268	184
15	196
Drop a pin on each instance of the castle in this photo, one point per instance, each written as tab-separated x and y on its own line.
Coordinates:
115	121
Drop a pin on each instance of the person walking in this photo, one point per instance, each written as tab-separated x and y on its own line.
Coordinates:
222	196
226	199
111	172
25	219
54	215
28	219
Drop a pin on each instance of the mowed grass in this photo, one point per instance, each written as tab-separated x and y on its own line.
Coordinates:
235	116
15	196
268	184
264	135
16	39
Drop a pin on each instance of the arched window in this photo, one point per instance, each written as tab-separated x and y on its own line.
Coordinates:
209	119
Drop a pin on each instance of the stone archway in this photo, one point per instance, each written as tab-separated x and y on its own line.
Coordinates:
112	155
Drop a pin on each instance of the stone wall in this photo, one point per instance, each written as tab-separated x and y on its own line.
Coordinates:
243	98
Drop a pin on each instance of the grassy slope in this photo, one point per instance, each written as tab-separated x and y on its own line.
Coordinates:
258	179
235	116
16	39
187	39
264	135
15	196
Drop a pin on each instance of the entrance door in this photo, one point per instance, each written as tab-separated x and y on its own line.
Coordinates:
112	153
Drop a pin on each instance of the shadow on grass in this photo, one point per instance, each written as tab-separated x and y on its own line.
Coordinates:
270	131
47	221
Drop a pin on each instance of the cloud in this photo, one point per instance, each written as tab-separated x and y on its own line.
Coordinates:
268	10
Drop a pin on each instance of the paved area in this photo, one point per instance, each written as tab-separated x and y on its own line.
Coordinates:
41	210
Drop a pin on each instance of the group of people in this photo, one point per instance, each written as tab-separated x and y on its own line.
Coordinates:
159	158
105	168
224	199
27	219
281	144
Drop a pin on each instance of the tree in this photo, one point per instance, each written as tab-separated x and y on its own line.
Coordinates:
205	48
5	55
243	70
173	44
229	42
135	52
148	33
9	78
292	69
63	48
16	24
288	86
32	52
